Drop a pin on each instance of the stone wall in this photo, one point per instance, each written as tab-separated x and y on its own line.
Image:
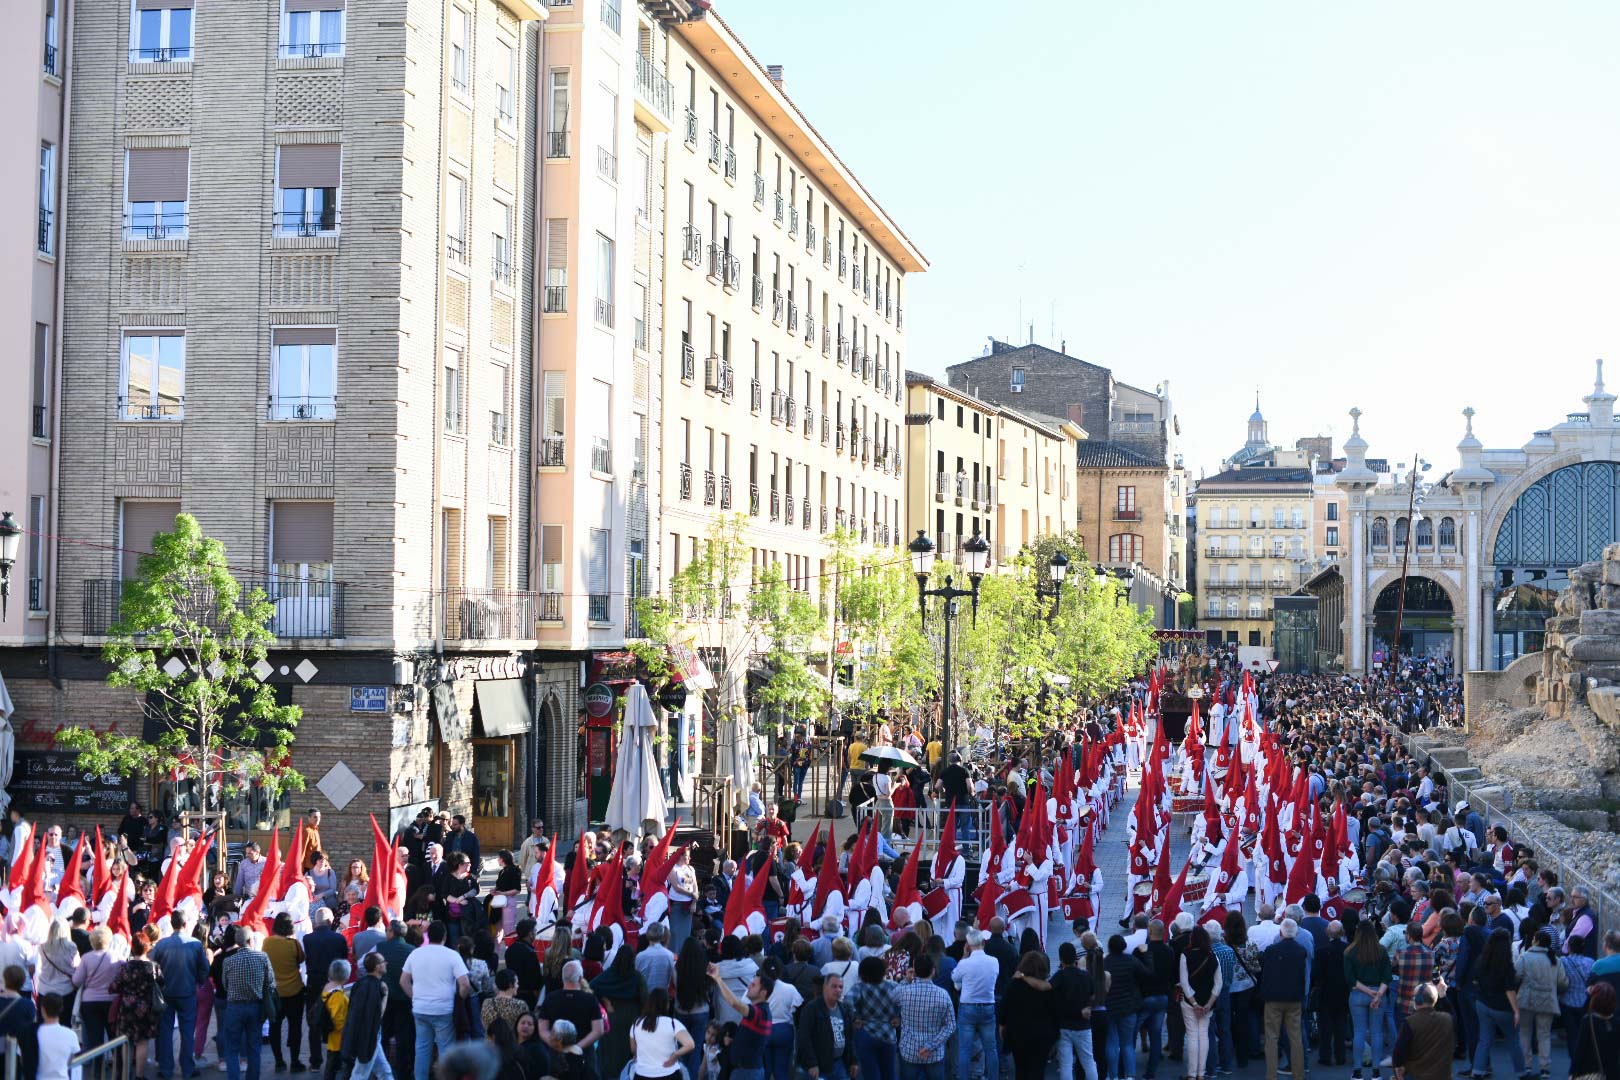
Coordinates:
1581	658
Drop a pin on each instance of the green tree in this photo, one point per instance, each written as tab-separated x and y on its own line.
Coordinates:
896	662
189	636
788	622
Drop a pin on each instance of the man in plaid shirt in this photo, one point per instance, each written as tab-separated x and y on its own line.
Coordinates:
1414	966
927	1022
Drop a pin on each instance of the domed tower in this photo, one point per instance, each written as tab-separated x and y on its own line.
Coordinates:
1258	439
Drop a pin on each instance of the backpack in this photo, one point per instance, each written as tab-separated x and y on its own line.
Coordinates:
319	1017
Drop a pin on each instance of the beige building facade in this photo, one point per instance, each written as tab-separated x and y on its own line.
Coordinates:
297	308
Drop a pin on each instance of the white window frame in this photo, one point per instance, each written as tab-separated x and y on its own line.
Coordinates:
165	36
606	278
38	557
1017	374
461	40
53	38
506	84
282	229
161	210
453	389
309	410
124	404
310	49
47	198
500	429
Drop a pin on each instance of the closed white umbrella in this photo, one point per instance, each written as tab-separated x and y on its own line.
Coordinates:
734	755
638	792
8	746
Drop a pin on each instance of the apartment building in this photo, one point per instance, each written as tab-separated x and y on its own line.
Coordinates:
297	307
1035	492
1255	523
30	290
784	323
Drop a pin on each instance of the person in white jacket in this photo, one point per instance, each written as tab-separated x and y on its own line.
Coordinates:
950	878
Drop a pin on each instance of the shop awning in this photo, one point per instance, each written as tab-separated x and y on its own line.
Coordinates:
503	708
452	725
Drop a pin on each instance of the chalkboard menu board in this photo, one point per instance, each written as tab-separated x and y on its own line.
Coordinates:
50	781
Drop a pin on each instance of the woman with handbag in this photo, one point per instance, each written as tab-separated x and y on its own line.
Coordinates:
1200	987
1595	1053
93	979
503	898
458	897
134	988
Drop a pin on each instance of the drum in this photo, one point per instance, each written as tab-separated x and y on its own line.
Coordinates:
777	930
1054	892
1140	895
1187	804
1195	889
1077	907
1017	903
1354	899
935	901
1175	784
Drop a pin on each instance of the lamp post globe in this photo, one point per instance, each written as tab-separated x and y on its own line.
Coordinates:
922	555
1058	568
978	557
10	541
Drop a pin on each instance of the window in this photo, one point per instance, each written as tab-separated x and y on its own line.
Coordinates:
1214	608
1255	517
47	198
505	80
1276	517
307	178
155	193
1448	533
1400	532
557	133
159	31
455	218
551	561
50	37
501	244
301	561
604	280
1215	518
1231	607
1296	547
1124	547
153	377
303	373
495	553
499	431
1380	532
138	523
1333	536
453	391
1425	533
1276	547
37	532
460	44
1254	637
1018	380
596	575
556	299
1256	546
1125	502
1296	518
553	431
1254	575
1333	511
312	28
41	380
1255	607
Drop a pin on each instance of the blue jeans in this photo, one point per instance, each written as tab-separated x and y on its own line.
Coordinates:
1075	1046
432	1031
976	1026
376	1067
1121	1052
799	772
875	1056
778	1052
743	1073
240	1036
697	1024
1220	1036
183	1009
917	1070
1492	1021
1154	1007
1366	1027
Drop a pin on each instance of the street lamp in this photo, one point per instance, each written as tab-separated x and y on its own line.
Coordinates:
922	561
10	540
1057	569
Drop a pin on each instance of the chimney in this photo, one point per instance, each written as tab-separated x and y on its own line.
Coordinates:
775	73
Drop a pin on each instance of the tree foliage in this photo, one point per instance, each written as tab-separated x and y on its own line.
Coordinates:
876	611
189	637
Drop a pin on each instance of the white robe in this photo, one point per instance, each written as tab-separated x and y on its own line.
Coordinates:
1042	911
295	903
951	882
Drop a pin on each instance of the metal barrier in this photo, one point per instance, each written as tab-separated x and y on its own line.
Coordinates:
712	806
1606	903
111	1060
972	828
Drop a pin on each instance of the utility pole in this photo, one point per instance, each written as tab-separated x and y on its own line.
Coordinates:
1406	556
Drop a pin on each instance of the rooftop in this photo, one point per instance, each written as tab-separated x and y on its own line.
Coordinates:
1259	475
1101	454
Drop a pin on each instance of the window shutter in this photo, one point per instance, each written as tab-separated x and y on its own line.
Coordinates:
314	5
317	166
301	532
141	522
305	335
159	5
158	175
554	416
556	251
598	570
551	543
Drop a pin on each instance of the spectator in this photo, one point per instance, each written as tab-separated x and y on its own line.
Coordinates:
334	1002
1423	1045
93	979
504	896
975	979
1596	1049
433	977
1282	987
623	993
1075	992
1200	981
132	989
57	1044
374	934
1496	986
360	1042
1607	967
1572	1001
692	979
58	960
286	956
1581	920
17	1016
249	870
576	1005
1367	973
656	964
927	1022
1413	965
782	1003
749	1041
1162	964
877	1019
248	985
1541	980
658	1040
1028	1017
1245	977
182	965
398	1025
826	1025
1332	997
1127	972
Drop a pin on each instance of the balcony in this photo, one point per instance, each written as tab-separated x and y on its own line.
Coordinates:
607	166
714	151
826	252
171	225
757	296
711	375
826	429
826	341
759	190
730	168
691	245
753	499
790	412
708	487
688	362
305	223
792	316
823	520
549	607
755	392
843	265
301	609
500	266
725	493
455	249
808	513
485	615
776	506
552	454
500	429
809	422
685	481
610	15
287	407
50	59
39	428
601	457
653	88
731	276
778	405
726	379
961	487
838	439
942	486
1126	515
597	606
899	317
810	238
778	302
557	144
163	409
691	136
810	331
173	55
793	221
604	313
713	262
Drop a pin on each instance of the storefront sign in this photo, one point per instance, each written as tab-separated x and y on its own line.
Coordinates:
598	700
673	696
368	699
50	782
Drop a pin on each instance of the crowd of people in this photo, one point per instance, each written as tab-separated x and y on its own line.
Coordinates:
1332	904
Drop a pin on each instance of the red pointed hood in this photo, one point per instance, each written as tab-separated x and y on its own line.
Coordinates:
1341	829
293	868
1085	860
168	890
72	884
1227	874
1161	881
1271	845
743	902
380	888
100	873
547	878
252	916
33	892
1172	900
118	917
1032	828
655	881
578	879
1301	877
191	874
656	856
946	855
1194	740
828	880
906	893
610	892
23	865
1251	805
807	855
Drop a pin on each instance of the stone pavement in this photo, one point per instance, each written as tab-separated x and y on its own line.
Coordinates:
1113	859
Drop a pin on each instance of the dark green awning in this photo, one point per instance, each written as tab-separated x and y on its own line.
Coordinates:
503	708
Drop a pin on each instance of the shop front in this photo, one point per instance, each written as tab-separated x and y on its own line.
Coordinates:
501	722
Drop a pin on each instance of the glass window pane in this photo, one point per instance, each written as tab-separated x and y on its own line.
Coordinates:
326	207
171	384
298	28
148	30
138	380
180	32
331	28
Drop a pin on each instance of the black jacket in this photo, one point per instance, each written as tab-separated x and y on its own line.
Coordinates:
1327	972
1282	972
1002	950
364	1022
321	947
1074	990
815	1036
1165	964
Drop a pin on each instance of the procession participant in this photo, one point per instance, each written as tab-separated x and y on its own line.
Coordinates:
948	871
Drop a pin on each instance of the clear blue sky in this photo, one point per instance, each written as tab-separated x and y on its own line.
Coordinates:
1410	207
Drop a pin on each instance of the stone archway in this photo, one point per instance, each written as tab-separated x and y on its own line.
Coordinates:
1427	621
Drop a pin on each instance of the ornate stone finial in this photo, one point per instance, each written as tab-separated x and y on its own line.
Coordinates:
1355	422
1469	413
1598	389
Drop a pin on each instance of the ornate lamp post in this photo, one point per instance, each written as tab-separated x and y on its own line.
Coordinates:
1057	570
10	540
922	563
